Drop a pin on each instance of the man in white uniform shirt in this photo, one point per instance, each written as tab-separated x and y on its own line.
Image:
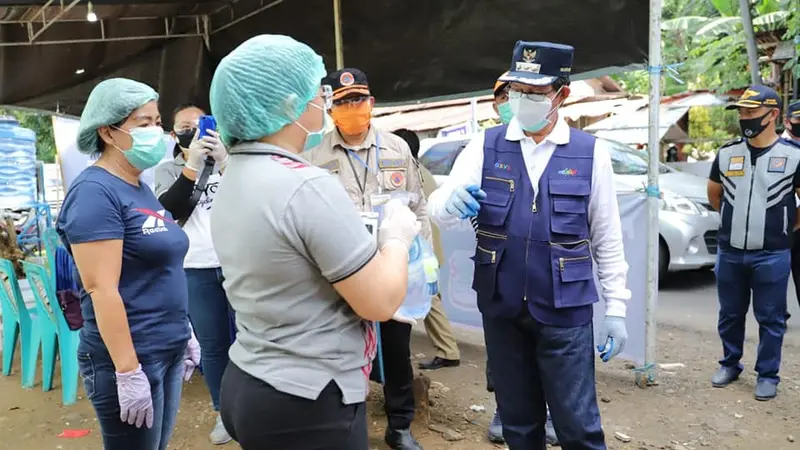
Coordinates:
547	211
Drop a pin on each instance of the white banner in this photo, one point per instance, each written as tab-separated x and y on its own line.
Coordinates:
72	162
455	279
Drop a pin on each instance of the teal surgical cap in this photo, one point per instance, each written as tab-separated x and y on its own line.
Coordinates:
263	85
110	102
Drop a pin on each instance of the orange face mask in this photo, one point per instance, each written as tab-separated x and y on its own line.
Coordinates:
352	119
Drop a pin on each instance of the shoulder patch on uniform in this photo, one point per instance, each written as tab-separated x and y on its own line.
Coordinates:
392	163
330	166
288	162
733	142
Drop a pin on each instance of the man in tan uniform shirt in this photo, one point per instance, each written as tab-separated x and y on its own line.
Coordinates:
370	162
438	327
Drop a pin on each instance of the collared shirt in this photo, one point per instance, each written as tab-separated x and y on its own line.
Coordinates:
365	170
604	222
286	232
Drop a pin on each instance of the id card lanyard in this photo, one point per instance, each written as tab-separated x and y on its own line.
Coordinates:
351	155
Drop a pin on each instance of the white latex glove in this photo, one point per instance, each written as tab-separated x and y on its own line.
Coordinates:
191	356
216	149
196	154
399	223
397	317
613	337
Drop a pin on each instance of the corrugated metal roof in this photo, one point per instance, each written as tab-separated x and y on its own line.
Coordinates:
601	108
632	128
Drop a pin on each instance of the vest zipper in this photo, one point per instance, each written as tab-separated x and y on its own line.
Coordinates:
561	261
492	235
491	252
749	201
509	182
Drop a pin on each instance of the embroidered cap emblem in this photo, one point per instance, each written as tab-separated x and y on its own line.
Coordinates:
346	79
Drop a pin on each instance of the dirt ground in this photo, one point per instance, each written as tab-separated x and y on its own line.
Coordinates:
682	413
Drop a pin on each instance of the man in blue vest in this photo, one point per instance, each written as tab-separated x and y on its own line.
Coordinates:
547	211
752	184
495	431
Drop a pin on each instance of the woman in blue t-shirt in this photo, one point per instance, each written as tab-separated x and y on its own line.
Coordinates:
136	343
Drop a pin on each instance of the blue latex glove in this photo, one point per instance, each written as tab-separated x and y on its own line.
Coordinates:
613	337
463	202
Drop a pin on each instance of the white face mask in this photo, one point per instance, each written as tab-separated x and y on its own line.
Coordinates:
532	111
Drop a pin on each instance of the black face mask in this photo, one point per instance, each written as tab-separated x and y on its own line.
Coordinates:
795	130
185	137
753	127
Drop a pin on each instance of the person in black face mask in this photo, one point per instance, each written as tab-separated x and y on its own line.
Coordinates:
792	122
188	196
752	184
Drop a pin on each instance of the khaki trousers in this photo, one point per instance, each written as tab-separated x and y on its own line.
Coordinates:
440	332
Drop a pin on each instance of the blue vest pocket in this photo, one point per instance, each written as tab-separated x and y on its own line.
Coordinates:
569	206
487	258
573	278
499	193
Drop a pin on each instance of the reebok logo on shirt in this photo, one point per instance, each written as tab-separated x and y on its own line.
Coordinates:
155	221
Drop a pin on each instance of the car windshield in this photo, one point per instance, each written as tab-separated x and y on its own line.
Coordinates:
440	158
626	161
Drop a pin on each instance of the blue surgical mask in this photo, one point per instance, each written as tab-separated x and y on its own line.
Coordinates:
504	109
314	138
148	147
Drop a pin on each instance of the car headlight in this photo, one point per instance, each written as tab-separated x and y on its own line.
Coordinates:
676	203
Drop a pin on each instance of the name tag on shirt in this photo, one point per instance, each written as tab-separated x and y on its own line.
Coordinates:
735	167
777	164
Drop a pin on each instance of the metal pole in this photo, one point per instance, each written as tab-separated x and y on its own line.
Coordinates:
750	38
646	376
337	33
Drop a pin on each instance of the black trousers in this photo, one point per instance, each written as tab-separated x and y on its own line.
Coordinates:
259	417
796	264
398	390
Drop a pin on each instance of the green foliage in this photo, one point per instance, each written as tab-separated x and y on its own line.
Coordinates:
42	125
714	126
793	32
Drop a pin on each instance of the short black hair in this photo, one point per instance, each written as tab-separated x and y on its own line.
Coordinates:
184	106
411	139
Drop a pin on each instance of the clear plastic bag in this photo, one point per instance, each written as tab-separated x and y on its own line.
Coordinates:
423	267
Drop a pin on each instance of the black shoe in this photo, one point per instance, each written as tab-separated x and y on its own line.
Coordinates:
401	440
438	363
766	390
725	376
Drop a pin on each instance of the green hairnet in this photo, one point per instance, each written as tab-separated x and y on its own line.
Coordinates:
110	102
263	85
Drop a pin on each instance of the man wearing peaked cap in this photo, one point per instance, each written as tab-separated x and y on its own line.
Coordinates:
752	184
370	162
546	208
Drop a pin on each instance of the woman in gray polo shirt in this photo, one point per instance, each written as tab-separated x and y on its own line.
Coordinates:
303	274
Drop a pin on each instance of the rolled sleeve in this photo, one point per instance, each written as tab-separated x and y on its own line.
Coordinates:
606	234
329	227
467	170
91	212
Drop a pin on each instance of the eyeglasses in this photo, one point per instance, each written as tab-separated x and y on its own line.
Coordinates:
351	100
535	96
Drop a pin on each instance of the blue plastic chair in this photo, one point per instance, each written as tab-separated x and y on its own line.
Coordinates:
55	334
50	240
19	324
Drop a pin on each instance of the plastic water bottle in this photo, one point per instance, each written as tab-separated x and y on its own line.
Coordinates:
431	266
417	303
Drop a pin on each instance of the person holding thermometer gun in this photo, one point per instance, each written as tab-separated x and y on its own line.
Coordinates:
186	188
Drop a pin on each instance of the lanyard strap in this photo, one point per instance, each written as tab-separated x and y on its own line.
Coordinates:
367	168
